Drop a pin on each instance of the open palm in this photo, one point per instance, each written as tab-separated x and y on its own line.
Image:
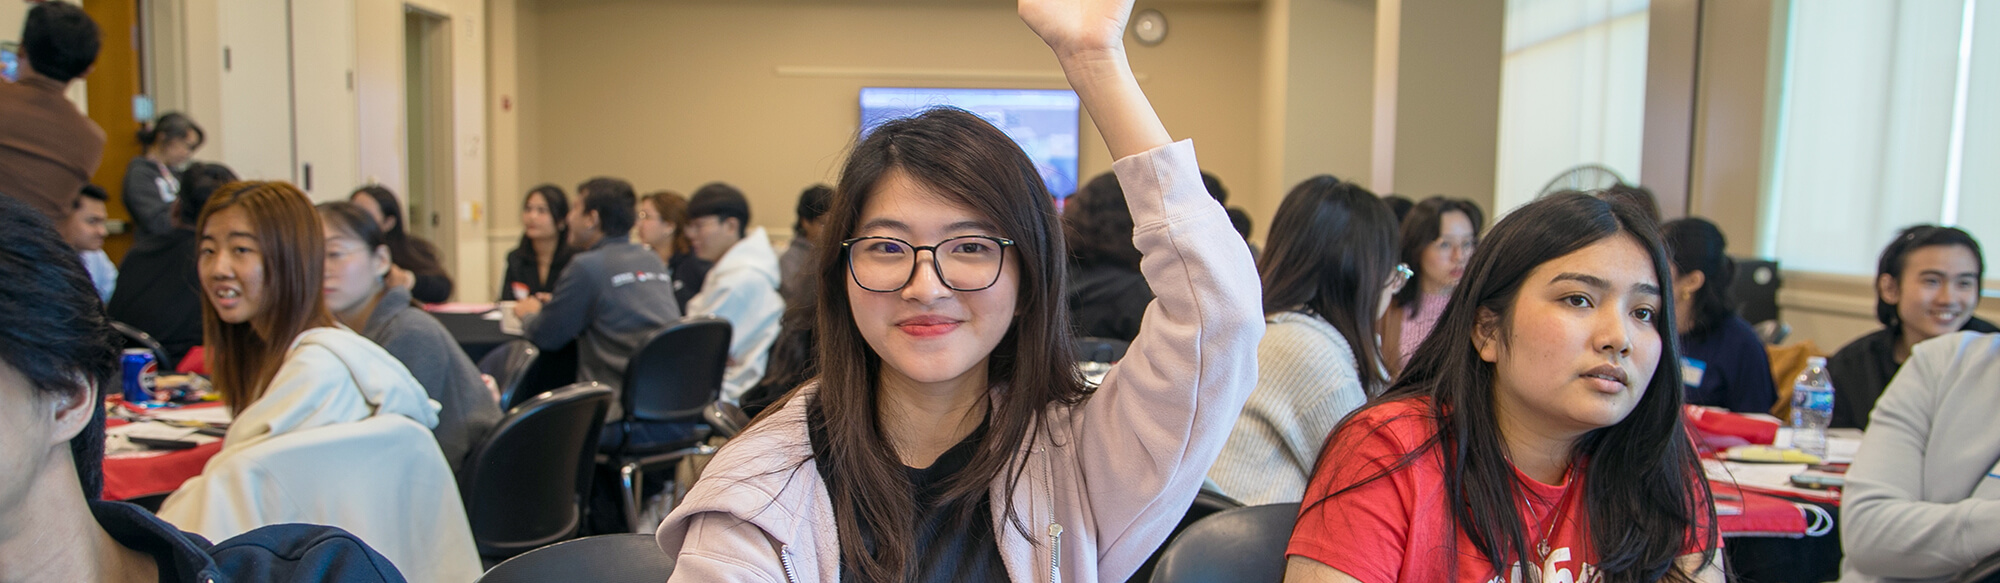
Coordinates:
1070	26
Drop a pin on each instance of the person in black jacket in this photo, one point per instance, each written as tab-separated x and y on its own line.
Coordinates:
1926	286
57	355
534	265
158	291
418	267
1107	295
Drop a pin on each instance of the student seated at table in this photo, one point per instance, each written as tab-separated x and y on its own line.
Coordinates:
663	221
85	232
328	428
1926	286
1722	362
535	264
1538	425
58	356
418	267
1922	501
158	291
357	260
611	299
1436	239
742	287
1329	269
948	436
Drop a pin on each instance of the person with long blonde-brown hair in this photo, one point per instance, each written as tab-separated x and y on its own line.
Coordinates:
328	427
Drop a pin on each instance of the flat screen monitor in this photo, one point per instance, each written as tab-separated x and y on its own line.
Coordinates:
1042	121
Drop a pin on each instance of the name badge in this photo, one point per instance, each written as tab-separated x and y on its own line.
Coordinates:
1691	371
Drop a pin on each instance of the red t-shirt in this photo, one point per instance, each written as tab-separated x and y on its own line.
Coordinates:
1395	528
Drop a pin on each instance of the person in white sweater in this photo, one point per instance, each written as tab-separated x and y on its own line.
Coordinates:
1922	501
328	427
1329	268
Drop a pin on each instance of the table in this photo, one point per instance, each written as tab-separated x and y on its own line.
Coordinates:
154	473
474	333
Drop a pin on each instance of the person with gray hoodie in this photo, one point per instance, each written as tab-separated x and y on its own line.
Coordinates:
742	287
948	435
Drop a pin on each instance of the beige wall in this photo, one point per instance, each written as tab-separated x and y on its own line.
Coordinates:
1441	103
1319	67
676	94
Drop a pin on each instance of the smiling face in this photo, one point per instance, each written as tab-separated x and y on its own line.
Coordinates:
1444	259
927	332
1938	289
1581	343
231	266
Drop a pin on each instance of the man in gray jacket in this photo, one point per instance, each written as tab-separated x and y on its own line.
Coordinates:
612	298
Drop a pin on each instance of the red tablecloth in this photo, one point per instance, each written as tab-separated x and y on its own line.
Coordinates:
153	473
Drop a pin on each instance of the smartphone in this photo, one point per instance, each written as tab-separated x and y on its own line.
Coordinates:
152	443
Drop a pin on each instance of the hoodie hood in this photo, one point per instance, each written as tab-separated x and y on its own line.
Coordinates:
331	376
750	257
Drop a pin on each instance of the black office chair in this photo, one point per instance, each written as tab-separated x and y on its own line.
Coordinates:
506	362
136	338
1096	349
1987	570
671	381
726	419
1242	545
611	558
1206	502
547	371
524	486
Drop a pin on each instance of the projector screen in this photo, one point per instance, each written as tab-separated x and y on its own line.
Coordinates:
1042	121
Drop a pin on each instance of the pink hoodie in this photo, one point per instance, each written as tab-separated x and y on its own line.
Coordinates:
1107	480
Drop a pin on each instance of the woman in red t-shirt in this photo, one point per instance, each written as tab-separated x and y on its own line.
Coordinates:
1523	431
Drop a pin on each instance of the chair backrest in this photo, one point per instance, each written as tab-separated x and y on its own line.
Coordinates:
611	558
1242	545
136	338
507	362
1755	286
525	484
726	419
678	373
1206	502
547	371
1096	349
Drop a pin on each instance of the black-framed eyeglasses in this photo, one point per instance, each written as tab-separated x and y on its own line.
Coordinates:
966	263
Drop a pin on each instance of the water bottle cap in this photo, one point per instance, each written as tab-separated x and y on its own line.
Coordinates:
1812	361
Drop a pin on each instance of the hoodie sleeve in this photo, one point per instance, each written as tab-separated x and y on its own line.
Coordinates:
723	548
1146	438
568	310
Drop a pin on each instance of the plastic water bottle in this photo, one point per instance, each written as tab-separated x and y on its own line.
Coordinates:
1812	407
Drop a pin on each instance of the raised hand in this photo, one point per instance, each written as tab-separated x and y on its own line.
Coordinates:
1088	37
1073	27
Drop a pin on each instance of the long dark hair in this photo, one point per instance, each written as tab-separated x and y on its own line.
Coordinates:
1897	254
972	164
293	246
404	252
1643	496
1696	245
1331	251
1099	224
558	204
1421	227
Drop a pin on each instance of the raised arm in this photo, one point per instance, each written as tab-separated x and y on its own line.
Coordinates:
1088	37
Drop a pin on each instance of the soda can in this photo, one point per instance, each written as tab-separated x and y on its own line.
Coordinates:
142	370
